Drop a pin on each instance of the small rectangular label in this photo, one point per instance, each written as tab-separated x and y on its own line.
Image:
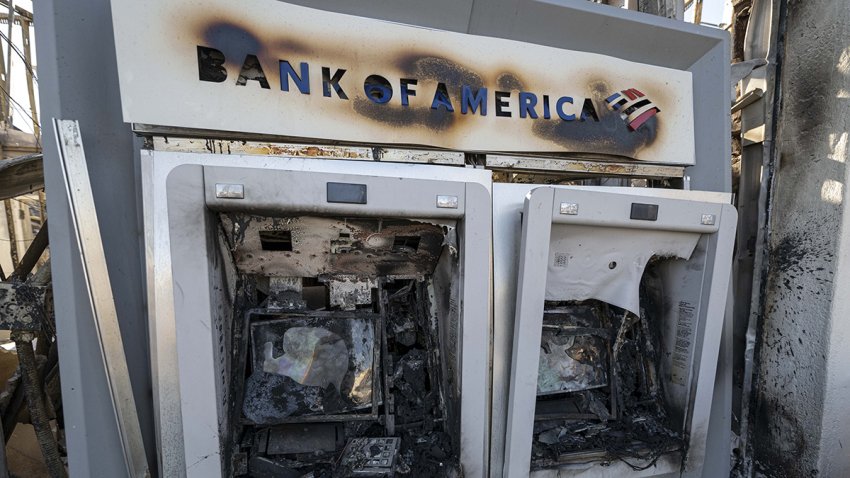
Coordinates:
447	202
230	191
684	341
644	212
569	208
347	193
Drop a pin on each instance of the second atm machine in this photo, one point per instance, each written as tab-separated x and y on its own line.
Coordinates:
618	313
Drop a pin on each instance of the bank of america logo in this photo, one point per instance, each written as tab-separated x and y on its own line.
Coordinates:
634	107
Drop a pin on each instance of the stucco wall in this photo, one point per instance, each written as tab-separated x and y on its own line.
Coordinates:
802	415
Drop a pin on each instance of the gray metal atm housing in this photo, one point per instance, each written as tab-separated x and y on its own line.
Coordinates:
194	256
586	250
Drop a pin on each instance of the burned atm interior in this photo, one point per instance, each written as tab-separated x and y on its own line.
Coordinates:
600	396
342	345
320	317
620	307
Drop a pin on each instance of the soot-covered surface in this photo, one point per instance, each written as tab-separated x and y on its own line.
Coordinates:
295	399
418	386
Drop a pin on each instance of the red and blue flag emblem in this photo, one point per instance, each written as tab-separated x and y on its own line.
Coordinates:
635	108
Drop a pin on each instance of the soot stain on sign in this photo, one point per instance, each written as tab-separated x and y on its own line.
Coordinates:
426	66
610	131
509	82
423	67
610	134
229	36
234	40
404	116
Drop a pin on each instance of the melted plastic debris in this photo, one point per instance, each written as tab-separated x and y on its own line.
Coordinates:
570	363
622	418
639	441
427	449
307	365
425	445
291	385
311	357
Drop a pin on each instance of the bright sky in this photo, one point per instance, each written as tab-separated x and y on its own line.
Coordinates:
712	12
20	111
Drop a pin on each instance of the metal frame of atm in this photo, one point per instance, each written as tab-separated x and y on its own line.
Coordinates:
178	196
513	409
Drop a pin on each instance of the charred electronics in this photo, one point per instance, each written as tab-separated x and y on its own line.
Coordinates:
344	374
598	387
619	308
323	323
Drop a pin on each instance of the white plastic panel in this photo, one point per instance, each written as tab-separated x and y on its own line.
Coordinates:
695	297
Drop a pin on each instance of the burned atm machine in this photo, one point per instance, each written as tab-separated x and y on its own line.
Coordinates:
331	316
314	317
619	313
611	282
611	348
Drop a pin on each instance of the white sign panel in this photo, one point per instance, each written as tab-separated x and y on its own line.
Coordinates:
272	68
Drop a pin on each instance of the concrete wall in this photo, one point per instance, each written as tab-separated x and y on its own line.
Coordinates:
801	421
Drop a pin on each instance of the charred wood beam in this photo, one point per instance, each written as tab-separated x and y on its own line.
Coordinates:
21	175
31	256
10	226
